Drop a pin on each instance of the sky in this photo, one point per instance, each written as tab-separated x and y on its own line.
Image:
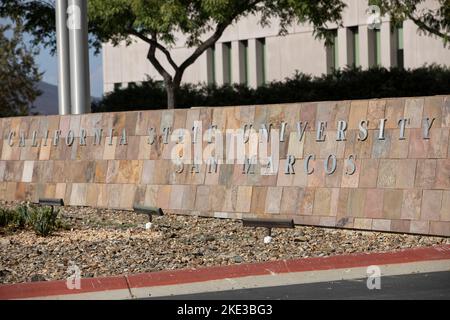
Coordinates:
49	65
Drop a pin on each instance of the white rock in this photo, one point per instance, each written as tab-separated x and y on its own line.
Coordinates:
267	239
148	225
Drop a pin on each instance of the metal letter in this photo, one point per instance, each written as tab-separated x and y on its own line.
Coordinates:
363	133
321	126
290	161
22	139
123	138
381	129
98	136
301	130
426	127
282	131
82	137
151	136
34	142
329	171
402	124
307	160
70	138
10	138
351	160
56	137
341	128
166	132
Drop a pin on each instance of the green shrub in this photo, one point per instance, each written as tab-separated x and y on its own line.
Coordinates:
350	83
21	216
7	216
43	220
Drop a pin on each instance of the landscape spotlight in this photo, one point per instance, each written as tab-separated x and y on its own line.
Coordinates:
269	224
150	211
51	202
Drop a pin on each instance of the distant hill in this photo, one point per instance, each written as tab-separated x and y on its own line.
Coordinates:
47	103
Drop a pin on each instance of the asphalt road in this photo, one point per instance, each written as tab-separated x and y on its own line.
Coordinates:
415	286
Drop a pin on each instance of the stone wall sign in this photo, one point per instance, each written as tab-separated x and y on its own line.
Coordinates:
366	164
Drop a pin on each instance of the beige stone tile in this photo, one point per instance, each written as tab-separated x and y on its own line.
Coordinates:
78	196
405	175
127	196
433	109
273	200
306	201
419	227
202	198
387	173
356	201
442	174
445	210
110	150
27	175
425	173
244	197
151	195
440	228
373	206
358	112
392	204
381	225
369	173
412	203
394	112
414	112
375	112
362	223
163	196
431	204
322	200
91	194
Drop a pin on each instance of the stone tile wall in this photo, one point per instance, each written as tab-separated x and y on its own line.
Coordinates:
400	184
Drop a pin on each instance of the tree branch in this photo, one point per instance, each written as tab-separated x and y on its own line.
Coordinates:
213	39
155	43
152	57
424	26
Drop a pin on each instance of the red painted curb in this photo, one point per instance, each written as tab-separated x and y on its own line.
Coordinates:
54	288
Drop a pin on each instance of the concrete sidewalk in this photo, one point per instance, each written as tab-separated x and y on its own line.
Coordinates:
235	277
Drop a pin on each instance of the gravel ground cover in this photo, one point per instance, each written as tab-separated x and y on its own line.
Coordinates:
103	242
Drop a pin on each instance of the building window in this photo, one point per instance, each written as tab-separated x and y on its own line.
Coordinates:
332	52
400	53
227	76
211	64
244	64
355	62
377	47
261	60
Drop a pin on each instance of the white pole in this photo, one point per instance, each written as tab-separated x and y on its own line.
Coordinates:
62	43
79	56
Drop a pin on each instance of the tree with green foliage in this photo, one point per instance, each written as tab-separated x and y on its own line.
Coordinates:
434	20
18	72
158	22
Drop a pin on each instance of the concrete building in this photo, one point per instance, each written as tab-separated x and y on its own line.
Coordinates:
248	53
